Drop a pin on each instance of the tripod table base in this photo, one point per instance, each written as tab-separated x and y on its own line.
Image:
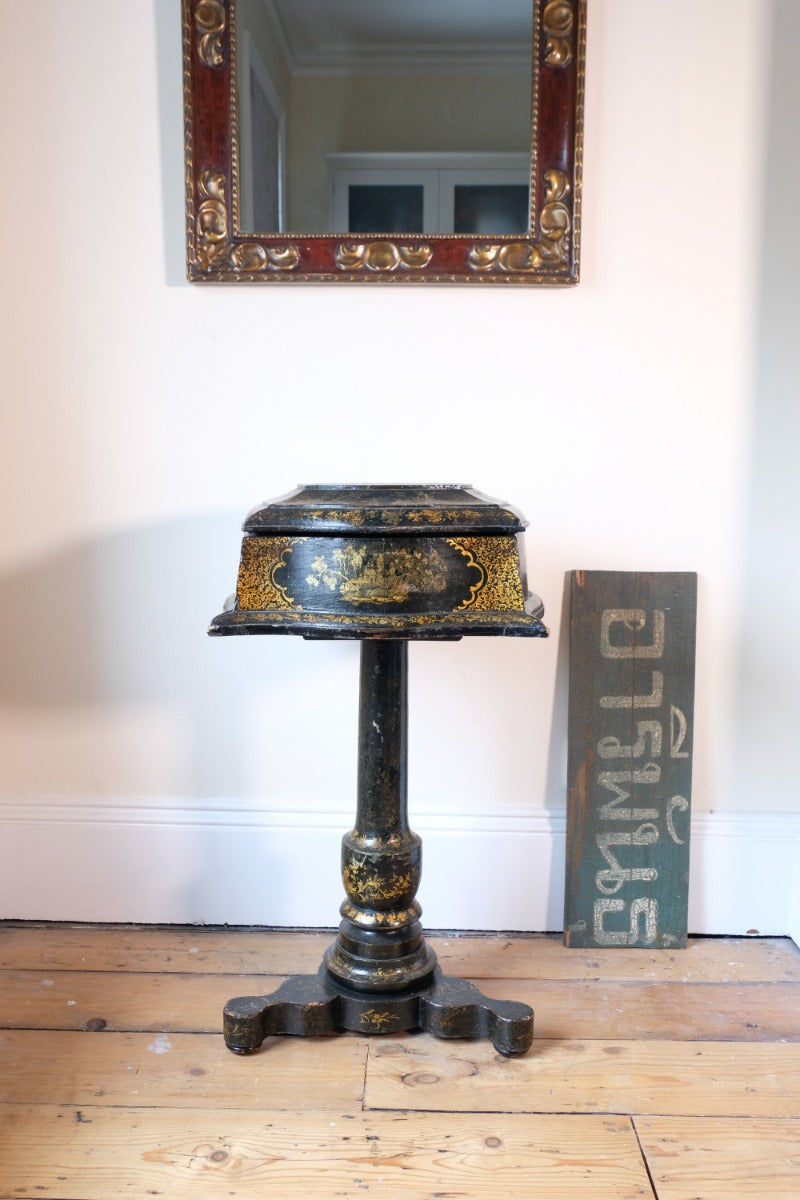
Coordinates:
318	1004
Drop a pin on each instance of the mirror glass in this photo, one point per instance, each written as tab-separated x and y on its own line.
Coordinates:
383	116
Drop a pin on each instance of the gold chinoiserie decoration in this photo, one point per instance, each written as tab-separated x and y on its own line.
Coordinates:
434	568
369	888
373	1018
385	577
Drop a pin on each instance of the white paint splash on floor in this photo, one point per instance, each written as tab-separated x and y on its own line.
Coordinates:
161	1045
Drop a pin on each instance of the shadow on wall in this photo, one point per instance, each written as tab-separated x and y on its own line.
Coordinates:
122	621
557	757
118	625
769	687
170	104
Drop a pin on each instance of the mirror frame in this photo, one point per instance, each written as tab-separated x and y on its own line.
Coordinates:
218	253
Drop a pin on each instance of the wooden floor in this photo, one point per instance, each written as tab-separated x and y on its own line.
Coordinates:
673	1074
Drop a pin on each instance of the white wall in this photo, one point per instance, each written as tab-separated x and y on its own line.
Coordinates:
142	417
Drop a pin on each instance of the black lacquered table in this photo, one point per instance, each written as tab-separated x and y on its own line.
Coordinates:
385	565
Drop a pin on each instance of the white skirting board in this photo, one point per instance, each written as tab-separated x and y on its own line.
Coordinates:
173	863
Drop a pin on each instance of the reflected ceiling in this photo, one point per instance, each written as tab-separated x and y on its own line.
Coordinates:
319	36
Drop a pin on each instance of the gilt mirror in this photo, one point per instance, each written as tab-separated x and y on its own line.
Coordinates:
367	140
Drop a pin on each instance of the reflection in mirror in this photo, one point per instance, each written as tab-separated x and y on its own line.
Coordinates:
384	116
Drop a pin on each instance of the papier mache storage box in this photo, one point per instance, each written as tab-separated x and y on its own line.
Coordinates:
383	561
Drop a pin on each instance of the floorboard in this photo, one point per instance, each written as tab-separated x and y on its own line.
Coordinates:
583	1009
671	1075
722	1160
727	1079
263	952
92	1154
182	1070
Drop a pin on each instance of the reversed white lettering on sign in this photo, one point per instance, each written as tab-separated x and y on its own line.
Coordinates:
654	700
642	922
630	633
634	620
631	705
611	780
611	747
676	804
611	881
677	733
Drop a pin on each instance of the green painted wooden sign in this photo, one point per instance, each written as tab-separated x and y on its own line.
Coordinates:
631	710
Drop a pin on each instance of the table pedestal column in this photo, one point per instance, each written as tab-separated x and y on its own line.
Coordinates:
379	976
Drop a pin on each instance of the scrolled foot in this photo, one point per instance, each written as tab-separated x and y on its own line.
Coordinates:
243	1023
510	1027
454	1008
300	1006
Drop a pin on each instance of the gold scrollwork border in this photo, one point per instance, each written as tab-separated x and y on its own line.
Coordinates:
381	256
500	589
257	589
472	561
552	249
209	20
214	247
558	24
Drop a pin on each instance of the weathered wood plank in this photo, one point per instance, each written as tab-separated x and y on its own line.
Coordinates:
631	704
587	1010
123	948
183	1071
49	948
727	1079
92	1154
695	1159
122	1002
704	960
583	1009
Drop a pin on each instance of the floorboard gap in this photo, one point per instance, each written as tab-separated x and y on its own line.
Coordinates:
646	1164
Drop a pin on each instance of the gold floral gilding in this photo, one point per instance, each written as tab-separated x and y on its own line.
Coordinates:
437	516
369	918
366	889
399	516
374	1018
